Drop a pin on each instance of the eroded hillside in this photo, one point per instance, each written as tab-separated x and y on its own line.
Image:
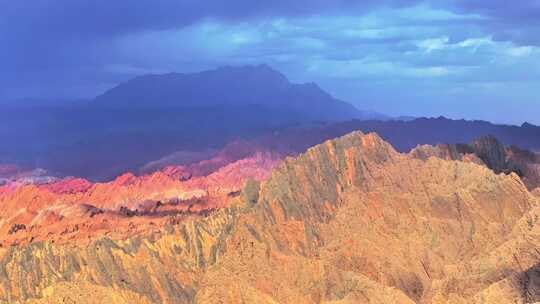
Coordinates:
349	221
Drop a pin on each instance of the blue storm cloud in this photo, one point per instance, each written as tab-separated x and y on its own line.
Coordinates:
471	59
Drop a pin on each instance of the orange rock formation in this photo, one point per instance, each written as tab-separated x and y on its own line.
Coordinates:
349	221
76	209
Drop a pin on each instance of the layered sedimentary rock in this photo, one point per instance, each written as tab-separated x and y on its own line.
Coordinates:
179	165
74	209
491	153
349	221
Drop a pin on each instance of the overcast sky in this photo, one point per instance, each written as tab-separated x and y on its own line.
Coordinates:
462	59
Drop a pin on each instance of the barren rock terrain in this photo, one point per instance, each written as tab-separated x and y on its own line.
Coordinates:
349	221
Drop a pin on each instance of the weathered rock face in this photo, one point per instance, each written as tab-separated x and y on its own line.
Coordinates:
526	164
160	267
490	152
353	213
349	221
74	209
234	151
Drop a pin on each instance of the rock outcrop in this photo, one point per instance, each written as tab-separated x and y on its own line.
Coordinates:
349	221
74	209
490	152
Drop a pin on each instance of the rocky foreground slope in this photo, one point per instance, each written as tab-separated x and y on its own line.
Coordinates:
349	221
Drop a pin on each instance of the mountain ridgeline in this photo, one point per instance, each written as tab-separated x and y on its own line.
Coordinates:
154	116
230	87
351	220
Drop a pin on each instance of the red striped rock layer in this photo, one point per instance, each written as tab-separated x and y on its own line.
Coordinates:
76	209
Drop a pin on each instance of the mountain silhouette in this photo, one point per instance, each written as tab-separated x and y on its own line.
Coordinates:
231	87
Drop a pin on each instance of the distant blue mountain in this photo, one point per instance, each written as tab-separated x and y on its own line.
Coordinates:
232	87
153	116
